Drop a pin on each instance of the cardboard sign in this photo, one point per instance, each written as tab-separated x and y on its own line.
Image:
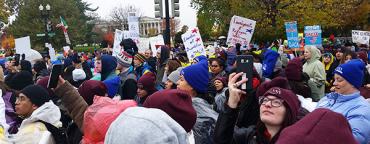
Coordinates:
292	34
361	37
133	24
156	42
312	35
118	36
241	31
193	43
22	45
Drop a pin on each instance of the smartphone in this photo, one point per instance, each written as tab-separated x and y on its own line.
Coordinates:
16	59
244	63
56	71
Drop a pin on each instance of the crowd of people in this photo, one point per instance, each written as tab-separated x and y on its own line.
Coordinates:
320	95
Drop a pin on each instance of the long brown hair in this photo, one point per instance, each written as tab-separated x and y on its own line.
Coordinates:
261	128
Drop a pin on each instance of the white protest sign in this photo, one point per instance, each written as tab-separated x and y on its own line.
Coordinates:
143	44
22	45
361	37
133	24
241	31
51	52
118	36
156	41
193	43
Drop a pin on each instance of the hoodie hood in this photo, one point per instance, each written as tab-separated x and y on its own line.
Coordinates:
109	64
327	66
47	112
269	61
315	53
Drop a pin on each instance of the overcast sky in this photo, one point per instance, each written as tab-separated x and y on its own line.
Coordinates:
187	14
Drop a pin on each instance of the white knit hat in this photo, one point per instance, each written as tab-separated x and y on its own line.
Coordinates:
78	74
124	59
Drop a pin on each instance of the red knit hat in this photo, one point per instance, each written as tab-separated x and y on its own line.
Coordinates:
90	88
147	82
288	96
276	82
294	70
177	104
322	126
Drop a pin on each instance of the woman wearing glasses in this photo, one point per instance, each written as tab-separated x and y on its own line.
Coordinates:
278	109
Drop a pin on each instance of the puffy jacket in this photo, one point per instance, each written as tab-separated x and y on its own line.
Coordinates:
355	108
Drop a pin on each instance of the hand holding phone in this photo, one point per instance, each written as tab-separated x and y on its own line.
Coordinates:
244	64
56	71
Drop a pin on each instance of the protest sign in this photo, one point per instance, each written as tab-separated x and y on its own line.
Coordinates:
292	34
133	24
156	42
193	43
143	44
118	36
360	37
241	31
22	45
312	35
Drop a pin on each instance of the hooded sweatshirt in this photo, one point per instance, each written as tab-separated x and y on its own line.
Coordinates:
269	62
329	68
32	131
315	69
108	75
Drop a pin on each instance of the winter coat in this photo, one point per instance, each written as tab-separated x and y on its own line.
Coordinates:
220	100
73	102
128	86
32	131
315	69
160	71
113	84
226	132
205	123
269	62
354	108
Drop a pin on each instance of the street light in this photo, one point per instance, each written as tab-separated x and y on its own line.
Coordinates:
45	16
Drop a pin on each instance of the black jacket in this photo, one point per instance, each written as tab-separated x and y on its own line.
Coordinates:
226	132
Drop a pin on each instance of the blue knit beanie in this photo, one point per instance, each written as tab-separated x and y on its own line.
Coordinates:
352	71
197	76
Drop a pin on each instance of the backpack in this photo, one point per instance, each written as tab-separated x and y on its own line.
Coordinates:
59	134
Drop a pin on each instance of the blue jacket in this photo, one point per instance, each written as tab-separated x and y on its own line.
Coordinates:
355	108
113	84
268	64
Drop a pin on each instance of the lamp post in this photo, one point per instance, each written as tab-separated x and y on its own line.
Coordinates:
47	23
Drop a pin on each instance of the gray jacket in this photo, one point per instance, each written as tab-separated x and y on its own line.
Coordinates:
205	123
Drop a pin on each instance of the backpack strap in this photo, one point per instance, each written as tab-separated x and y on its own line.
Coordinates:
59	134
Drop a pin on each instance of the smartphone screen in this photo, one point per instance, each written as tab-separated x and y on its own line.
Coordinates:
244	64
56	71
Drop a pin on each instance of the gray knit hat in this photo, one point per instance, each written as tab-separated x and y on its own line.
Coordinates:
141	125
175	75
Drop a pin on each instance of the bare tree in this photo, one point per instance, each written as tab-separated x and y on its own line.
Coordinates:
119	14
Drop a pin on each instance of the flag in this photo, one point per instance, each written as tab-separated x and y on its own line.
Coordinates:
63	24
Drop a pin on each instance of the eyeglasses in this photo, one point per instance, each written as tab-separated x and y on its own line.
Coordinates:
274	102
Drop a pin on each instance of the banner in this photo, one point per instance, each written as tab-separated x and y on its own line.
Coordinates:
143	44
193	43
361	37
118	37
292	34
312	35
241	31
22	45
